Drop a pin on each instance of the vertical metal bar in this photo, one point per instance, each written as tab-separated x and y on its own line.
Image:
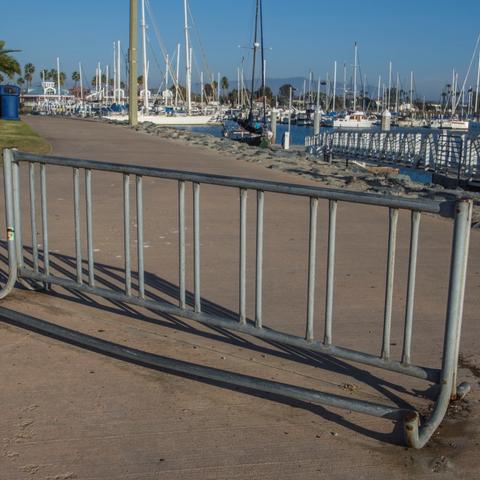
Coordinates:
412	269
17	212
387	321
43	198
312	249
332	228
88	199
141	271
417	438
196	245
259	260
462	291
9	186
460	243
126	234
76	210
243	255
181	244
33	216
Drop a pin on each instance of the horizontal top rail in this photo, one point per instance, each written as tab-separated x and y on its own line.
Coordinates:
443	208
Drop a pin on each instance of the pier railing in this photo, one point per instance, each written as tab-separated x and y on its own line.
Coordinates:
37	267
451	153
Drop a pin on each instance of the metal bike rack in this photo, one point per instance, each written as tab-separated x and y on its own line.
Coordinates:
417	432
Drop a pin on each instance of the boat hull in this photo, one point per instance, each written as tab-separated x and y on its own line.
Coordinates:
340	123
171	120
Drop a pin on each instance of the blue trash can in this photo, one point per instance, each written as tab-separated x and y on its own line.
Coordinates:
9	102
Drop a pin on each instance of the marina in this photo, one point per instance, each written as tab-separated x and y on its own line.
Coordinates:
239	240
178	100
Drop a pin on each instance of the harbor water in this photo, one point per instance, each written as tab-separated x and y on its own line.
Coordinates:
298	133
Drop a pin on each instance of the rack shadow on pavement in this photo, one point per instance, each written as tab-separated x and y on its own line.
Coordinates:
157	289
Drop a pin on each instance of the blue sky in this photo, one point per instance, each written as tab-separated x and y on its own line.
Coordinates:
428	36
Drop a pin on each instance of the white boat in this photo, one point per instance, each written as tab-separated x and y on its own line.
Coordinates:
458	125
354	120
451	124
412	123
171	119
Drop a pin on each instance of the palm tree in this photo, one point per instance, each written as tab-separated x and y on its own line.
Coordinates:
103	80
44	74
214	88
28	78
8	64
20	82
76	78
63	77
208	91
224	84
29	70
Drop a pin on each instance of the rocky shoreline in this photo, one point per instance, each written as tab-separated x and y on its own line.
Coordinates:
386	181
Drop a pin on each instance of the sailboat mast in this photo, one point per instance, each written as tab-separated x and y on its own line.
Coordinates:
58	80
477	100
242	87
114	72
81	80
145	68
411	90
310	87
355	80
334	84
167	66
397	92
255	46
263	65
238	87
457	98
364	94
454	90
119	73
177	73
378	92
188	67
100	84
304	90
389	85
344	86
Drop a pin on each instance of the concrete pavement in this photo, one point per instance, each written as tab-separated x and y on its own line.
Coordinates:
70	413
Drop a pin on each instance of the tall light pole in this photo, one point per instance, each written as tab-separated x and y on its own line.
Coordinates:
132	58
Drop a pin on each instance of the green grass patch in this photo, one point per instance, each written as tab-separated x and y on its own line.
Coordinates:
16	134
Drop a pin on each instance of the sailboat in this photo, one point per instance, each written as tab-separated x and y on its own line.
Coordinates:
357	119
254	131
171	116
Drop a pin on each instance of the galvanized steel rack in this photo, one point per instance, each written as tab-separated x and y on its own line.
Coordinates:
417	432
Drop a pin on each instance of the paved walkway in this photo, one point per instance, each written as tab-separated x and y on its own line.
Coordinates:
70	413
